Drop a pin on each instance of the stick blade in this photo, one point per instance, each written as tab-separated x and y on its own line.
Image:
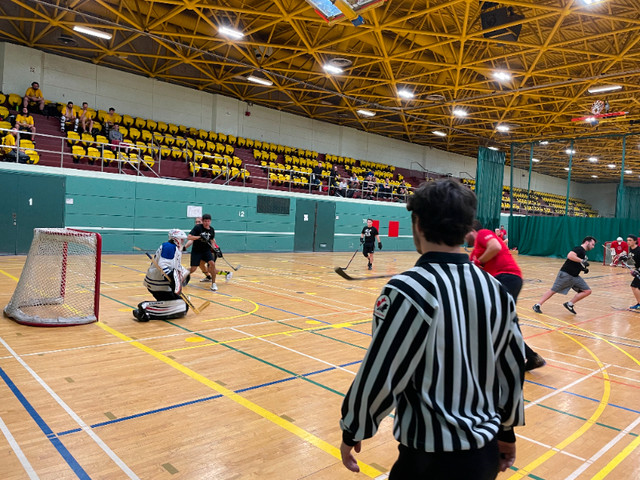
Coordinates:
340	271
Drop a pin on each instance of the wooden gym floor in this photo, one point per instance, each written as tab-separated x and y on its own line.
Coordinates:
252	387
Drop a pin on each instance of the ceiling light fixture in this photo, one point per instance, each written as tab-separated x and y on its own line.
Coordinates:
332	69
502	128
604	88
628	172
366	113
259	80
566	168
502	76
404	93
569	151
535	160
594	176
593	159
611	165
439	133
458	112
495	149
92	32
230	32
544	142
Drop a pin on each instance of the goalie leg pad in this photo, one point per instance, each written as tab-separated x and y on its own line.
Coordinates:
164	309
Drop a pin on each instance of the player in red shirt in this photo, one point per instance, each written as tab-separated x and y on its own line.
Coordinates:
617	248
492	254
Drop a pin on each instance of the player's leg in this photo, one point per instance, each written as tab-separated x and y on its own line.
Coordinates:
205	270
635	289
167	306
370	260
196	259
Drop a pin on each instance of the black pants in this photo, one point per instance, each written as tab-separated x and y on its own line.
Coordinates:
513	284
480	464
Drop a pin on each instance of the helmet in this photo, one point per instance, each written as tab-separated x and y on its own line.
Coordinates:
178	235
619	239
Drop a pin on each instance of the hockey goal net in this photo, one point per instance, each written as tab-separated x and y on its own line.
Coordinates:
60	281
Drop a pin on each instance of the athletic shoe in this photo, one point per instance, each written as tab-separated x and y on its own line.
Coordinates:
228	276
206	279
534	362
635	307
569	307
214	287
536	308
369	265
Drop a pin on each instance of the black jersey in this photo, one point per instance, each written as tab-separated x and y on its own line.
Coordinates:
635	254
370	234
202	244
574	268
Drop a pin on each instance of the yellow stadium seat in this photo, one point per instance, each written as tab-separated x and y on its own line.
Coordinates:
213	136
201	144
191	143
149	161
162	127
231	139
241	142
134	134
169	139
4	111
173	128
73	138
25	143
257	144
14	101
88	140
229	149
158	138
142	147
78	153
127	120
222	137
34	157
166	152
193	131
152	125
5	125
249	143
93	154
203	134
194	168
140	123
3	97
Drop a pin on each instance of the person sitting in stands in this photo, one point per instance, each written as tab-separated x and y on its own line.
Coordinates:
316	175
69	116
11	152
85	118
343	187
24	122
110	120
115	137
354	186
402	192
34	95
368	187
386	189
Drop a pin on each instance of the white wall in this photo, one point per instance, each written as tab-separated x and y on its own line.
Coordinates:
63	79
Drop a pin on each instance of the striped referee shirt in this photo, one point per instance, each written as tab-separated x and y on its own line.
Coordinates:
447	353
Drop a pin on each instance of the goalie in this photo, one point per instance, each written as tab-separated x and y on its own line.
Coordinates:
165	278
619	249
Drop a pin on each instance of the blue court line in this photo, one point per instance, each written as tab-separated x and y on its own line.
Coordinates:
205	399
55	441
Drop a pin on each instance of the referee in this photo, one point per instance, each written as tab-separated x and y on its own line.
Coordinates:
446	353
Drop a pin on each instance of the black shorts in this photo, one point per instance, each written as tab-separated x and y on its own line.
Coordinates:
368	248
635	283
206	257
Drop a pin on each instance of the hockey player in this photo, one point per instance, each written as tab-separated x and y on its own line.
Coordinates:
618	248
166	284
205	249
368	237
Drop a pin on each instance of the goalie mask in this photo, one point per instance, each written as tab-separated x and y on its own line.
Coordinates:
177	236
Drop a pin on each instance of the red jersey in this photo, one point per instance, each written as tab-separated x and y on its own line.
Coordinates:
503	233
503	262
619	247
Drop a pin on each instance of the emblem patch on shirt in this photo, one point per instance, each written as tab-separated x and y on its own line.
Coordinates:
382	306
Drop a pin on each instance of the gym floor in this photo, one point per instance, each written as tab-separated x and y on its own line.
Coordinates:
252	387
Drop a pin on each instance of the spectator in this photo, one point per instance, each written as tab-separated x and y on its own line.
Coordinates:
402	192
69	116
368	187
316	175
34	95
115	137
110	120
85	118
354	186
24	122
13	153
343	187
385	189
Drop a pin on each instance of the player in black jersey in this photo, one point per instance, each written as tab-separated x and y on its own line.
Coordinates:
368	237
634	252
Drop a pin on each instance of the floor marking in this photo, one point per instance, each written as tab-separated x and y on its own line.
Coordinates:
266	414
72	414
603	450
18	451
243	314
9	275
110	415
170	468
194	339
536	442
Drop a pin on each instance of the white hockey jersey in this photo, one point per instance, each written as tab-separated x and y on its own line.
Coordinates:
168	256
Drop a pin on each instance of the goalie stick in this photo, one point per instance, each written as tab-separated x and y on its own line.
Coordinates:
341	271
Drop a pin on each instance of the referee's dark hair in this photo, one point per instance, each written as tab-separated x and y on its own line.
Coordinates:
444	211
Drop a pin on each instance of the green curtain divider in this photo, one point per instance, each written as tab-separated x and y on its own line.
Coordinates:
489	179
628	202
556	236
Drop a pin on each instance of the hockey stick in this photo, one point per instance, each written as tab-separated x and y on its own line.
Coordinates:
234	268
354	256
341	271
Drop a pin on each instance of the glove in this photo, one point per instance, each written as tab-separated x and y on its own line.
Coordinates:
636	273
585	266
361	240
379	245
217	251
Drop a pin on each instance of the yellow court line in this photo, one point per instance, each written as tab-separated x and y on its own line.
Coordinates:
604	402
9	275
231	395
266	335
244	314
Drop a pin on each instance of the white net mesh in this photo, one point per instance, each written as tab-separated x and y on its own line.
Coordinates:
60	279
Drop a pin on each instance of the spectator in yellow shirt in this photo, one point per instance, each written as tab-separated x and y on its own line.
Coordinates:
110	120
24	122
34	94
9	149
69	115
85	118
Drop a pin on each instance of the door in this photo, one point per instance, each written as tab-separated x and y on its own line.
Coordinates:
35	202
315	226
